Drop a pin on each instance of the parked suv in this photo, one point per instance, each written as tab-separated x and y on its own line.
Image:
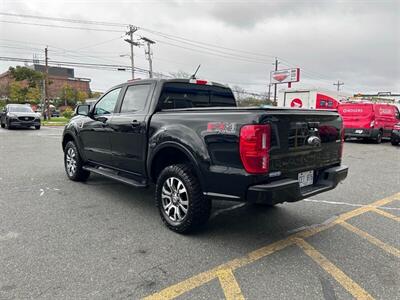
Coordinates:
368	120
19	115
190	140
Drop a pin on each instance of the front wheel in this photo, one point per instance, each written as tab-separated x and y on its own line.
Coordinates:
37	127
2	125
73	163
394	142
180	200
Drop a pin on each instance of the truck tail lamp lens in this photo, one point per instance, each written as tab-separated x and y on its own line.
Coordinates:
254	146
200	81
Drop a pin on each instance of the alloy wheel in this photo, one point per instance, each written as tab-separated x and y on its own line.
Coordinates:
175	199
71	161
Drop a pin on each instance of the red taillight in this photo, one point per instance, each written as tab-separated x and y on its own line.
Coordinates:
254	145
200	81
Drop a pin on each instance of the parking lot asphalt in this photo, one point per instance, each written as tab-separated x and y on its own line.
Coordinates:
101	239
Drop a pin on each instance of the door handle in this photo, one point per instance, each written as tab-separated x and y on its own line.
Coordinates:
135	123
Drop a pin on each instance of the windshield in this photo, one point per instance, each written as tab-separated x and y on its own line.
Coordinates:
20	109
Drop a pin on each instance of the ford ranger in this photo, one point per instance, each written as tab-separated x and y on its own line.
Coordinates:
189	138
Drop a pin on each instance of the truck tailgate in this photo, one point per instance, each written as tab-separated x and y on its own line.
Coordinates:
303	140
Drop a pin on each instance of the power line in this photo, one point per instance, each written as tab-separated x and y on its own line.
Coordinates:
61	26
103	23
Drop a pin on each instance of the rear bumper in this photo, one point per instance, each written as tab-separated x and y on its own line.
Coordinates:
288	190
361	132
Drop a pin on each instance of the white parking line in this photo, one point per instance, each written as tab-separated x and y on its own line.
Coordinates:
9	236
349	204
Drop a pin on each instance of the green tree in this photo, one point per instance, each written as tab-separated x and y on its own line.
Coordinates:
68	95
23	73
33	95
81	96
17	92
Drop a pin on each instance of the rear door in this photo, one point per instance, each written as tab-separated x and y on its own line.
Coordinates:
129	129
356	115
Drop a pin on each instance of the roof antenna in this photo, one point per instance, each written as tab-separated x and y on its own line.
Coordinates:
194	75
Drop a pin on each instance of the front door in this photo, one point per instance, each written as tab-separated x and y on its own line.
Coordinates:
96	130
129	130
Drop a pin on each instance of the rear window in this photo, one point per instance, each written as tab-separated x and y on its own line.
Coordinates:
355	109
187	95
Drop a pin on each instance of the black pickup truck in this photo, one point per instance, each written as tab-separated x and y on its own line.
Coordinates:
189	138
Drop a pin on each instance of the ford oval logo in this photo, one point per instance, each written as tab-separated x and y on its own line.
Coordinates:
314	141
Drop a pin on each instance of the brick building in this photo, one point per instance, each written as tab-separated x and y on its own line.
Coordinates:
58	78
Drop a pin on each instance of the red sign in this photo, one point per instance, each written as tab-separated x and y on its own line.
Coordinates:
296	103
280	77
285	76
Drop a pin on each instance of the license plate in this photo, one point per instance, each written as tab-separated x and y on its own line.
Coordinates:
306	178
359	131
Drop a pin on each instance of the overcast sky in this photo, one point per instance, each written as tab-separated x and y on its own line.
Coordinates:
357	42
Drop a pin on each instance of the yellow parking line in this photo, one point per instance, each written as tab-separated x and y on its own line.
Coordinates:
184	286
371	239
344	280
386	214
229	285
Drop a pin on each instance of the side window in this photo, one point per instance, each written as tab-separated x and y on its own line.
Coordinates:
135	98
107	104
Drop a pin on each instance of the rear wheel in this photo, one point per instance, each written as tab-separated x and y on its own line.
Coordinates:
378	138
394	142
73	163
180	200
3	125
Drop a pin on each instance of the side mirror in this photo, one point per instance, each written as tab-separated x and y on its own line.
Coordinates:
83	110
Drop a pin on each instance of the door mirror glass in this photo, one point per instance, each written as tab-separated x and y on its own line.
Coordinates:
83	110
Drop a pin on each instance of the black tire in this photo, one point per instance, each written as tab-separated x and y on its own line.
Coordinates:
198	208
72	158
378	138
8	124
37	127
2	125
395	142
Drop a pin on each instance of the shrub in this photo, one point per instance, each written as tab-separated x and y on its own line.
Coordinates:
68	113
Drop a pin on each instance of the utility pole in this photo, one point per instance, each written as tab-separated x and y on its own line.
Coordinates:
129	33
149	54
338	84
269	91
46	87
275	84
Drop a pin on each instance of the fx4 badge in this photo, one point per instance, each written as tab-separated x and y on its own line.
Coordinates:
314	141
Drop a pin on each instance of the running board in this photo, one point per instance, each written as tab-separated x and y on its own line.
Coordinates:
113	175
